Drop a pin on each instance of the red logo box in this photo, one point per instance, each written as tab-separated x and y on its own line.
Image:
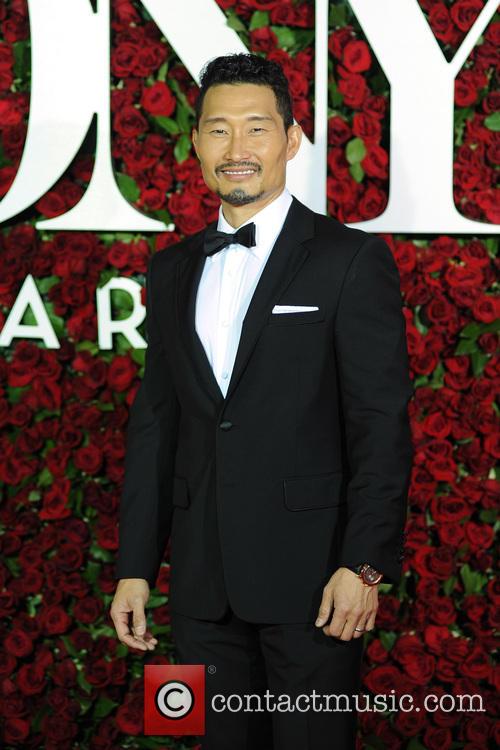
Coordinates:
174	699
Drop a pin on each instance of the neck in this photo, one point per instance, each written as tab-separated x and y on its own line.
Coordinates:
237	215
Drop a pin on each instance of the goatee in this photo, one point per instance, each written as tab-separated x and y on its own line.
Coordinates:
239	197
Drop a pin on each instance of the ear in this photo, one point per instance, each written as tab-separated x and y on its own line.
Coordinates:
194	139
294	139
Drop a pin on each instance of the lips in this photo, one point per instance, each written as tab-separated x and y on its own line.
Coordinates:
238	171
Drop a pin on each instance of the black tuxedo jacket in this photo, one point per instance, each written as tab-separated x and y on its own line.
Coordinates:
305	464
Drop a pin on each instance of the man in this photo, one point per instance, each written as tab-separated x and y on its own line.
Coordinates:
269	439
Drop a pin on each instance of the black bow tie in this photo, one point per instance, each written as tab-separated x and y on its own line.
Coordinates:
215	240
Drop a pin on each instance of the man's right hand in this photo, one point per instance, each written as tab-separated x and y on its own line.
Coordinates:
131	596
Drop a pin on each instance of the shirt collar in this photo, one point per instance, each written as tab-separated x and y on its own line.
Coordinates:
268	223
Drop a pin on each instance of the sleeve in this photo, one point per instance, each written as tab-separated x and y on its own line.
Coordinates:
146	502
375	387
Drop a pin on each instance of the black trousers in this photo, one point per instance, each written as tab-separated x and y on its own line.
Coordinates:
286	660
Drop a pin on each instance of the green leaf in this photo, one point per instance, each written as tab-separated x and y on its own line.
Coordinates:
139	356
234	22
128	186
357	172
286	37
57	322
449	585
415	744
103	707
45	478
473	580
355	151
162	72
168	124
185	118
21	59
337	15
80	678
387	639
478	360
157	600
44	285
182	148
259	20
474	330
492	122
467	346
372	742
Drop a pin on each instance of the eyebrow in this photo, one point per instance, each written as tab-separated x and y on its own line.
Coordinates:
252	118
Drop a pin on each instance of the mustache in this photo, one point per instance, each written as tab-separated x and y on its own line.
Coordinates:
240	164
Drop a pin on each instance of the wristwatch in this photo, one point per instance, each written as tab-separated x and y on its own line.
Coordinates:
367	573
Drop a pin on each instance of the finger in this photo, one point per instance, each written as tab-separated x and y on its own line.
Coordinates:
370	622
337	624
121	622
361	624
138	618
325	607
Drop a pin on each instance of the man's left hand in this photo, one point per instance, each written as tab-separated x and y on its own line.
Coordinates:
354	605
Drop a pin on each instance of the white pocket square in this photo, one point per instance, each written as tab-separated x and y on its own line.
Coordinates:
294	308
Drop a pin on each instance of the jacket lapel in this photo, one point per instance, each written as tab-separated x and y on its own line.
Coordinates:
284	261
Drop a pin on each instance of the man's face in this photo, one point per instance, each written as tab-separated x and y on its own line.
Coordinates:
242	144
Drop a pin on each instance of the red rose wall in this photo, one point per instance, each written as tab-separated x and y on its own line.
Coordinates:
65	680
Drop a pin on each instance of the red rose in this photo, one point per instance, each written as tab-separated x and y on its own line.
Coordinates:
129	122
88	459
486	308
88	610
383	679
442	611
123	59
367	128
376	162
356	56
54	619
338	131
121	373
477	665
55	501
158	99
479	535
15	730
465	12
129	717
354	88
372	203
410	723
441	23
10	114
125	13
18	643
263	40
186	210
338	40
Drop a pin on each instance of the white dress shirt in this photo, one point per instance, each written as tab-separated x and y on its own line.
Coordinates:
227	285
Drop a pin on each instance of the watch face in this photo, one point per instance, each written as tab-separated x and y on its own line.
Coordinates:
371	575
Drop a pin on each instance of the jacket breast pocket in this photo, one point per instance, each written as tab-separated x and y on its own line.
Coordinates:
295	318
180	492
316	491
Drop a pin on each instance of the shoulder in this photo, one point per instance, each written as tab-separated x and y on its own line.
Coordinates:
332	238
168	258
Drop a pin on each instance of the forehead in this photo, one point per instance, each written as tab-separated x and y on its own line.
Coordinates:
239	100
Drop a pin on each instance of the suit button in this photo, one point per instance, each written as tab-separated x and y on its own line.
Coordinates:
226	425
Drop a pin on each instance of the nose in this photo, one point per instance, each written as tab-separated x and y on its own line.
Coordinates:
237	148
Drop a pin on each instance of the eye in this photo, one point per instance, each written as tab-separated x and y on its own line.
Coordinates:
218	131
257	130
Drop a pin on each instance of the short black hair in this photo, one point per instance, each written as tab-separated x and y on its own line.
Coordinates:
247	68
